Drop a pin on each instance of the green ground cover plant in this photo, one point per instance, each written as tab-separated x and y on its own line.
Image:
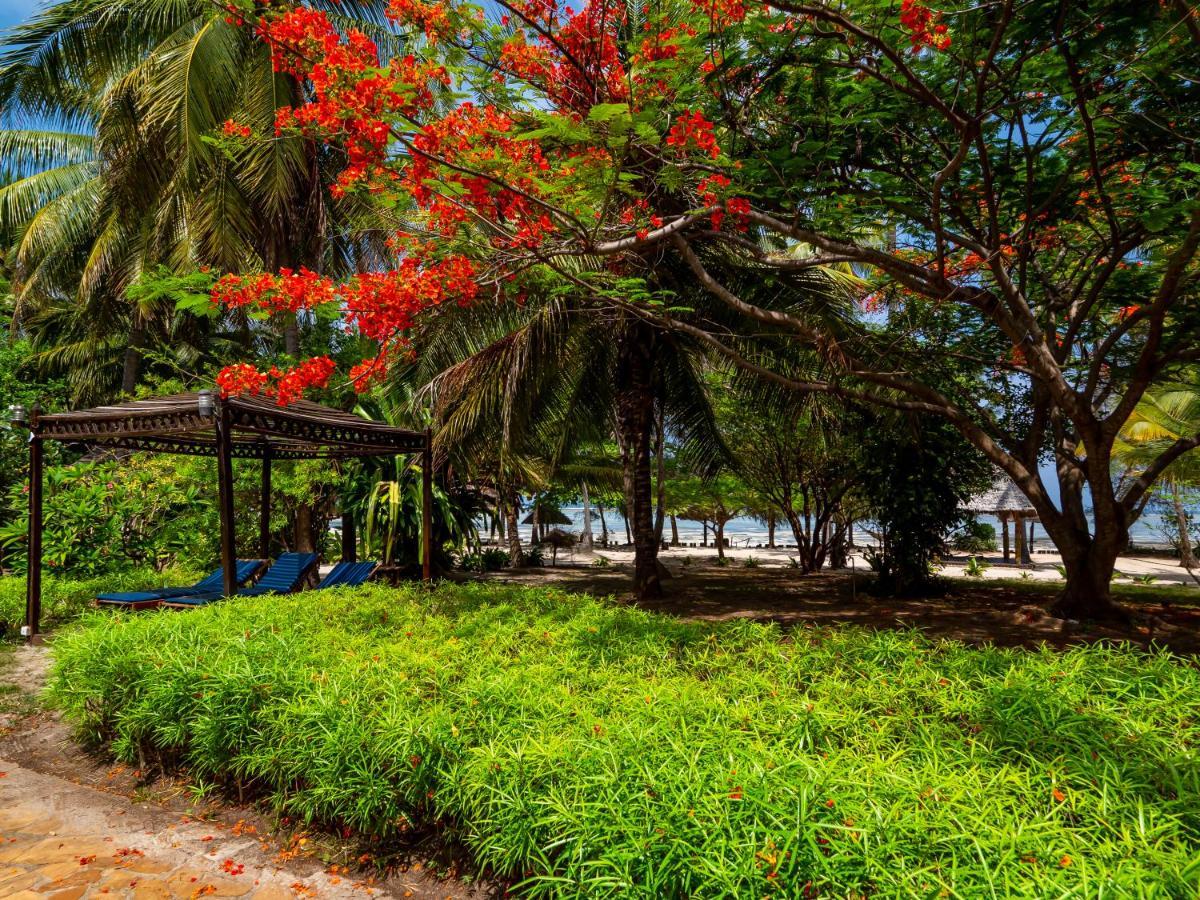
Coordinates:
65	598
581	748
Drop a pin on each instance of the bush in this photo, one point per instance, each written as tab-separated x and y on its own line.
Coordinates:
65	599
489	560
974	537
588	749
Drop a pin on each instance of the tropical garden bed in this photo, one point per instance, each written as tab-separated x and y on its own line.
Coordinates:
579	747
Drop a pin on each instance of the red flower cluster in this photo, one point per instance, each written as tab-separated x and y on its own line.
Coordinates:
235	129
693	130
574	57
240	378
924	26
352	99
289	384
479	139
432	18
721	12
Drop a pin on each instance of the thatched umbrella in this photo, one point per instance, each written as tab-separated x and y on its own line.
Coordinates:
1005	501
541	516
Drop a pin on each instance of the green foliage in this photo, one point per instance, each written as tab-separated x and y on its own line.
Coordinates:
976	567
65	599
917	477
489	560
102	517
974	537
588	749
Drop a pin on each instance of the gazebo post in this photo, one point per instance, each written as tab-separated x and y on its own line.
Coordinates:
33	576
1019	540
1004	528
427	507
264	514
225	500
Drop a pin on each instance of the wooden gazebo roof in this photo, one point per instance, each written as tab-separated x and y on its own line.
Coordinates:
259	428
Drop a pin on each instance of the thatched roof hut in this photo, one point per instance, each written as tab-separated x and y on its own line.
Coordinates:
1006	502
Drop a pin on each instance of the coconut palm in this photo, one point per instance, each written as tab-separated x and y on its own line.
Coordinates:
1166	414
130	177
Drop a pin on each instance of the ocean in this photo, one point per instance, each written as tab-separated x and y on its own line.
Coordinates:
750	533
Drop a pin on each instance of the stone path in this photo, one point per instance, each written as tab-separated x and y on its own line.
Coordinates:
72	827
67	841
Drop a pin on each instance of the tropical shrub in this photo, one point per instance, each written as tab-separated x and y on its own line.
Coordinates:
583	748
64	599
489	560
974	537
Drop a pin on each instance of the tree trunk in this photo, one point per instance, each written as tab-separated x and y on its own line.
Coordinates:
771	530
603	528
661	498
1088	592
132	367
635	427
704	541
1004	528
674	531
516	558
304	529
1019	549
720	538
628	533
1186	558
585	536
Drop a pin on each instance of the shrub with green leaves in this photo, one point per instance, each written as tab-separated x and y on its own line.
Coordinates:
65	599
582	748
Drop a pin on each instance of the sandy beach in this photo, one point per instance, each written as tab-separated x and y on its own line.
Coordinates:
1043	567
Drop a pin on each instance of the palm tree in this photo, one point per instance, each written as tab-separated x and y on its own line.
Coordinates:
1167	413
126	175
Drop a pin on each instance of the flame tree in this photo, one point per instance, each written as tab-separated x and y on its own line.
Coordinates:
1014	182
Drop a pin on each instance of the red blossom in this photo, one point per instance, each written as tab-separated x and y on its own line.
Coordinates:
924	26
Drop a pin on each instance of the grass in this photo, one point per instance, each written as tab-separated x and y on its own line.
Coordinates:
64	599
580	748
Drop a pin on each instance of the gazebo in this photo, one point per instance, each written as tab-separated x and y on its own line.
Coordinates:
1005	501
227	428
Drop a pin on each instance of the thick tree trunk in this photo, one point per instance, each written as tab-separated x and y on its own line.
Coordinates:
720	538
674	531
304	529
585	535
771	530
635	428
1186	558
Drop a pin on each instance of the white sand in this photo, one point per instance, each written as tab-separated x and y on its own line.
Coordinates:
1164	570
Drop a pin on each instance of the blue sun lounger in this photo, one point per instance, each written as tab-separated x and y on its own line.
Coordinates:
348	574
246	569
284	576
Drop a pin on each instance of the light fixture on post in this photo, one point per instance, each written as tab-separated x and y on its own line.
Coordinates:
18	415
206	405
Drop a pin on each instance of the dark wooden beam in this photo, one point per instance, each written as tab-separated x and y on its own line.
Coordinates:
225	501
427	507
264	513
33	577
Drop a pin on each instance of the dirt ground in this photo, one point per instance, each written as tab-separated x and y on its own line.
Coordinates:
74	826
1002	613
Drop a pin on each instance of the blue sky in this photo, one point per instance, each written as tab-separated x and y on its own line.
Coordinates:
13	12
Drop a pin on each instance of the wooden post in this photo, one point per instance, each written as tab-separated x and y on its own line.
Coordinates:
225	500
264	513
1019	540
1004	526
33	577
427	507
